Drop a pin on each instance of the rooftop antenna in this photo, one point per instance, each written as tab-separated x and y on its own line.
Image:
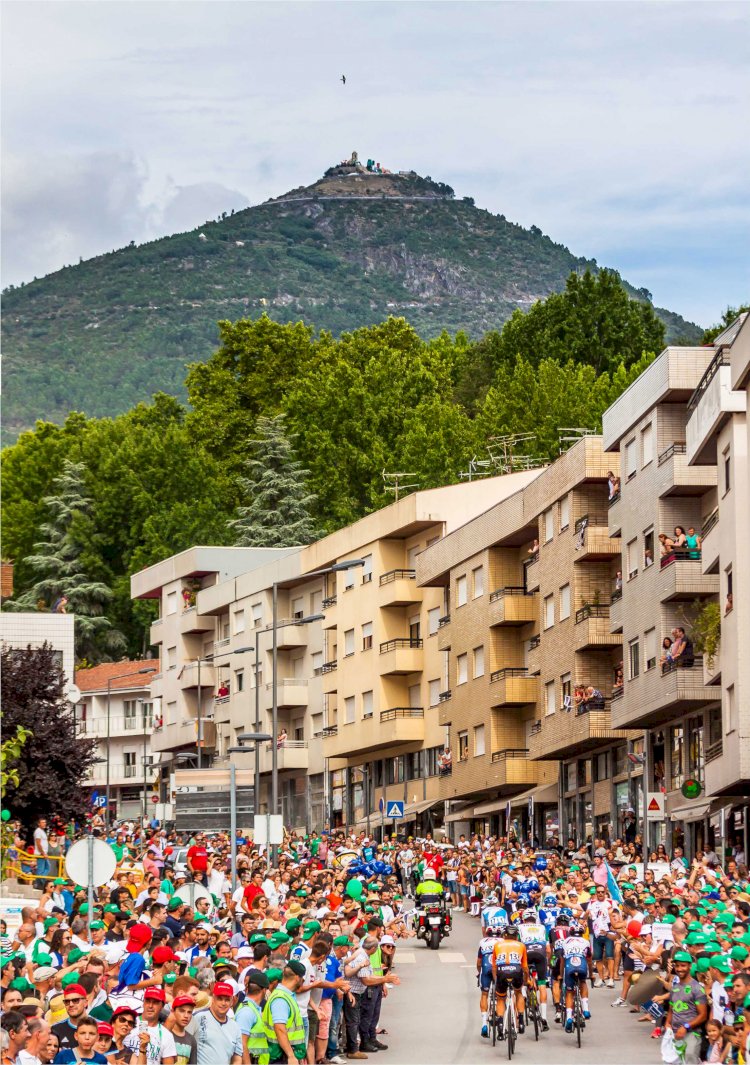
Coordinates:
477	468
504	456
571	435
392	482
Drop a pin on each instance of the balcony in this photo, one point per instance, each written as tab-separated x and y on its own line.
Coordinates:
192	621
290	692
188	675
329	601
531	572
398	587
575	731
592	628
445	696
401	656
118	726
614	514
512	606
328	673
710	541
292	755
513	767
712	402
681	577
658	695
290	634
593	542
390	728
444	633
156	633
679	479
513	686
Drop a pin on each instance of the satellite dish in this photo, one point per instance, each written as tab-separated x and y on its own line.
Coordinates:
192	891
77	862
73	694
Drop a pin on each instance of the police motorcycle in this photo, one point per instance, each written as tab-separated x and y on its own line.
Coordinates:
432	918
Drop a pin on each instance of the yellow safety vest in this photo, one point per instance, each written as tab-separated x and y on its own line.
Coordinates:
295	1030
257	1043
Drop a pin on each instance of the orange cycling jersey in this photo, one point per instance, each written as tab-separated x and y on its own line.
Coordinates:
510	952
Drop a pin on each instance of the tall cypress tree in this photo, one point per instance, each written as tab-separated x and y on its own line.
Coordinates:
278	508
61	574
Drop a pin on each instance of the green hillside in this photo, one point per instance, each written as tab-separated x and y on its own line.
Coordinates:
349	250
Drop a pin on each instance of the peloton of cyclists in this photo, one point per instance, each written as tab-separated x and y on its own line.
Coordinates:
509	962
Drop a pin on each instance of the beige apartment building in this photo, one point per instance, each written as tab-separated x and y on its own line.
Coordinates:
677	703
527	588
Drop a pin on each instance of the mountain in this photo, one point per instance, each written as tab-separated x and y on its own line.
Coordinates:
346	251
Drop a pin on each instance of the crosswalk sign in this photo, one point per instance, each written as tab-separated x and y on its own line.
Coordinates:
394	809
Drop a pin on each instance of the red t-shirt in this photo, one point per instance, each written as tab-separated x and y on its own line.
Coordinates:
251	892
433	861
198	858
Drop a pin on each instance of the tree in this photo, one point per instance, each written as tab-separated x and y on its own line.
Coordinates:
727	318
53	761
10	751
57	565
278	508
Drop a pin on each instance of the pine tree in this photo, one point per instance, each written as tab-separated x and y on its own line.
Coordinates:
278	512
60	572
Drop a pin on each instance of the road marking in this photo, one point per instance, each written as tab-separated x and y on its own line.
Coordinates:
452	958
406	959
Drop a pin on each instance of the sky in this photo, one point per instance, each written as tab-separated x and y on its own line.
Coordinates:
620	129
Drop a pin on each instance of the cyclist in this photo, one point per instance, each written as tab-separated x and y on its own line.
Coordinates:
576	952
557	937
533	935
484	970
509	962
549	910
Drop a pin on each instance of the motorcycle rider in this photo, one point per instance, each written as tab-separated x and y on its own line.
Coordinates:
430	890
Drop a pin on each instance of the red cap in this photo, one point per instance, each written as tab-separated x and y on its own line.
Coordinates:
75	989
156	993
162	954
121	1011
140	936
104	1029
182	1000
223	990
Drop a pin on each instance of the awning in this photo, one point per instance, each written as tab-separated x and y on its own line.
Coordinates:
490	807
541	793
415	808
694	811
464	814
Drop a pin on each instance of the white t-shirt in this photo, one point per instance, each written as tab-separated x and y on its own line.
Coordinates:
161	1043
599	912
41	844
303	998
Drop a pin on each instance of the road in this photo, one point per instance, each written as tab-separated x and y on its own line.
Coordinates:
433	1016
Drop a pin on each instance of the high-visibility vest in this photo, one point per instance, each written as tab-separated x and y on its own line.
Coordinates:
295	1030
257	1043
376	963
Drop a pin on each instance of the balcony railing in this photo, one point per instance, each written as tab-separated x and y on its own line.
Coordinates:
445	696
330	730
510	752
508	671
616	594
592	610
401	641
444	620
329	601
536	728
222	643
130	770
533	557
329	667
511	589
715	750
680	554
582	523
398	575
618	692
678	448
614	499
672	666
710	521
400	712
596	702
534	642
721	358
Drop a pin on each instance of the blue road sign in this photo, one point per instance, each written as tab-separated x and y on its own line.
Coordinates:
395	809
381	805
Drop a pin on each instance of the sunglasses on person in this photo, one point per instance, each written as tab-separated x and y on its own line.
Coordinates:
130	1021
71	999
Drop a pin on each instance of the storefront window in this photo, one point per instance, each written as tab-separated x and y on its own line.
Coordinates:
586	816
601	767
603	827
695	747
620	759
677	757
571	825
551	824
584	772
714	726
570	777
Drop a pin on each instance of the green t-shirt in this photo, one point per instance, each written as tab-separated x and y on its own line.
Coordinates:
167	887
685	999
102	1012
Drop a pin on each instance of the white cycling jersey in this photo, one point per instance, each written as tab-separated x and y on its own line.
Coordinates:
533	936
575	947
494	917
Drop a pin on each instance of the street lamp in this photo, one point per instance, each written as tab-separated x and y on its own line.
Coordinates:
122	676
199	661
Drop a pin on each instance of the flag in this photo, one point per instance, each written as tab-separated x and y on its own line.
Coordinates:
612	885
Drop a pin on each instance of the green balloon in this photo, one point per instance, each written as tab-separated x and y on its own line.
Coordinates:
354	889
5	815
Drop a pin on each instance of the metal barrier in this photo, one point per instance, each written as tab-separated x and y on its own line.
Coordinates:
16	860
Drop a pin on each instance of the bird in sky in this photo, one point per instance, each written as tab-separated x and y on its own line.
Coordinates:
343	79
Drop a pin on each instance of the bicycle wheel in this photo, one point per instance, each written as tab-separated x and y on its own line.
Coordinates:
510	1023
578	1016
492	1013
533	1009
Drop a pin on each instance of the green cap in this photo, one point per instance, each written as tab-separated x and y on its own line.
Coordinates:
59	881
70	978
22	984
274	974
682	955
696	939
257	937
703	965
721	964
729	982
175	902
341	941
668	918
198	917
49	922
302	894
738	953
192	971
96	925
310	929
83	909
111	908
278	939
75	955
170	978
695	926
293	925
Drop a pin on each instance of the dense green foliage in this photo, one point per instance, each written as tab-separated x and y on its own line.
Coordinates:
162	477
727	318
104	334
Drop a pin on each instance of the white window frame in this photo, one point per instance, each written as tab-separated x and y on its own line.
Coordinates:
564	602
350	711
434	692
550	698
548	616
462	669
564	512
477	582
462	590
478	661
349	647
631	460
433	620
548	523
480	747
647	445
367	704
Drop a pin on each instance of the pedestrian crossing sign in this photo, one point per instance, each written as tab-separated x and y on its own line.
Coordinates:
394	809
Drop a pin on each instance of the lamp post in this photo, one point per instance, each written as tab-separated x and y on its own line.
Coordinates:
121	676
256	667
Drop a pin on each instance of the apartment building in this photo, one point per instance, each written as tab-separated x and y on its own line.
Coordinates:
663	590
35	628
117	711
717	436
527	588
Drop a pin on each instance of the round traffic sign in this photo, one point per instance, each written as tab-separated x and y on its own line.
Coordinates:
154	799
381	805
692	788
104	862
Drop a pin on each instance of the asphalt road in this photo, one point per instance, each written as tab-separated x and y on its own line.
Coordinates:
433	1016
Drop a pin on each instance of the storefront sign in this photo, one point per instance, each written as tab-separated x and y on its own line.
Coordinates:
656	806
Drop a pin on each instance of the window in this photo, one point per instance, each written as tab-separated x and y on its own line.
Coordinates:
367	704
631	558
238	621
367	636
316	602
348	642
298	608
564	602
550	703
256	611
461	591
463	746
729	603
131	709
239	681
566	688
415	696
630	460
434	692
478	662
648	548
649	648
130	763
549	525
462	669
647	446
677	757
349	710
549	611
171	658
415	628
731	707
348	579
478	740
634	658
564	513
171	602
601	768
477	577
367	569
317	661
727	471
433	620
148	715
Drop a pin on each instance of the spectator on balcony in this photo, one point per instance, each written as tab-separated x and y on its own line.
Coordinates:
618	582
223	690
648	558
534	549
665	545
666	651
619	681
684	655
579	696
679	541
729	605
282	738
614	485
445	762
693	543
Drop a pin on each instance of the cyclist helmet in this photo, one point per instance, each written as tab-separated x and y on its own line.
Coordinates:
511	932
563	919
529	915
494	930
576	927
549	899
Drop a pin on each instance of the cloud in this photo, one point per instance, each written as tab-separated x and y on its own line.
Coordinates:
190	205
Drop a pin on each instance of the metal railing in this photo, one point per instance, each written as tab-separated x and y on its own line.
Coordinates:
715	750
329	667
98	726
721	358
710	521
330	730
401	641
401	711
536	728
130	770
675	664
595	703
220	699
534	557
444	620
617	693
680	554
445	696
534	642
398	575
510	752
592	610
615	498
329	601
678	448
507	672
511	589
616	594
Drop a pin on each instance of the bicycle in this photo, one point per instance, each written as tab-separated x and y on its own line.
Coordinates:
533	1013
511	1018
492	1018
578	1023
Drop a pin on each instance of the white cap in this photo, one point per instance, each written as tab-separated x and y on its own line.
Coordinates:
245	952
388	940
